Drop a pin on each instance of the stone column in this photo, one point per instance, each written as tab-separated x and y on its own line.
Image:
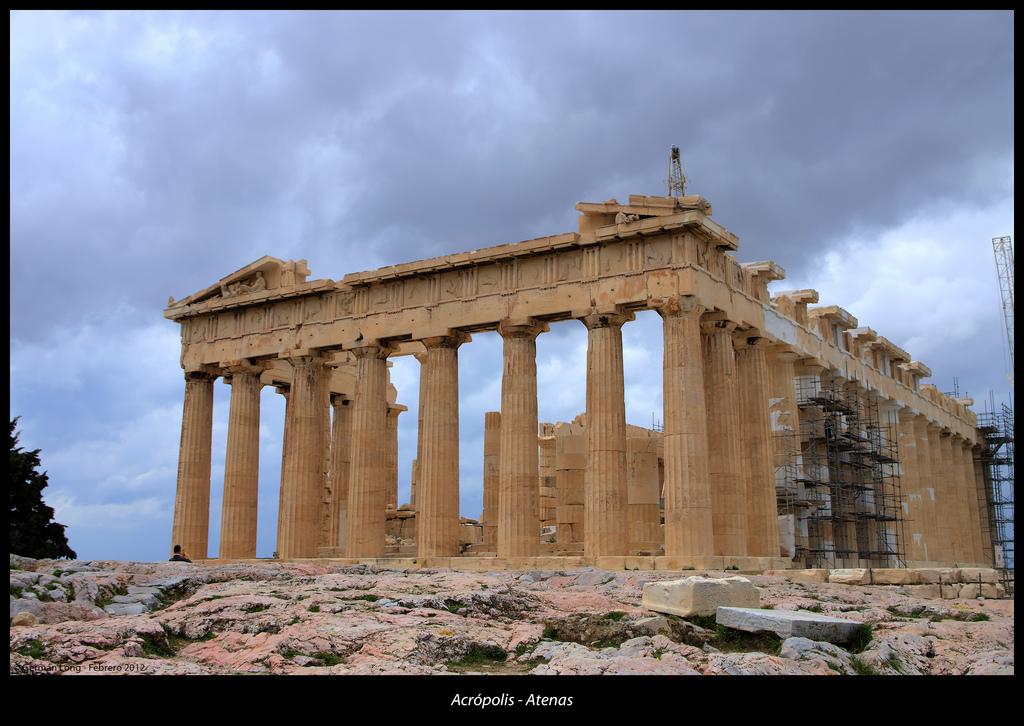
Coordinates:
341	460
926	485
241	466
981	489
392	461
972	523
367	473
910	488
191	525
303	477
606	502
688	522
518	503
492	459
437	515
422	358
728	505
756	447
785	426
285	391
948	504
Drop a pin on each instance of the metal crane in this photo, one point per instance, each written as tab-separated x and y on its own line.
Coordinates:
676	178
1002	247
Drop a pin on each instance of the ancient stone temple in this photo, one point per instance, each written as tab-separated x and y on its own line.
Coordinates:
792	435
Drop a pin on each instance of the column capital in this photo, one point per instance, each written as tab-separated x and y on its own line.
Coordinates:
749	339
716	322
782	352
340	399
685	306
371	350
453	339
396	408
521	328
243	366
605	320
203	372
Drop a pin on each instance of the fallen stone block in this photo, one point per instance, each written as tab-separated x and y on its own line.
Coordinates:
853	576
697	595
24	618
975	575
788	624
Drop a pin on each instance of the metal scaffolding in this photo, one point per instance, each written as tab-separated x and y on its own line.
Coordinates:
995	457
850	473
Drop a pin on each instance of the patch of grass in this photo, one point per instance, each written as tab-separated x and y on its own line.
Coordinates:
861	638
524	648
58	572
814	608
314	608
658	653
32	649
255	608
862	668
294	620
71	591
328	658
105	599
367	598
835	667
550	632
894	663
157	646
615	615
52	586
703	621
729	640
16	590
453	606
479	655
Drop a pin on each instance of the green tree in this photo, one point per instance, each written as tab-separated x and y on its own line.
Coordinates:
33	531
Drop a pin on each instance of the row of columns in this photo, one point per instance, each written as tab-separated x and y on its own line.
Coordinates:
719	493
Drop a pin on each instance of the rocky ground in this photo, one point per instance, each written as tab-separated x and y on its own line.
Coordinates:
88	617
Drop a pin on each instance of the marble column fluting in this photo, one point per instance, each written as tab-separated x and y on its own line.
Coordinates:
688	520
341	460
728	508
191	525
303	479
785	428
367	473
437	516
518	503
241	467
981	487
492	478
606	520
756	447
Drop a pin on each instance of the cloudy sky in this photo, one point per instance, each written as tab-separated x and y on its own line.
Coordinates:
870	154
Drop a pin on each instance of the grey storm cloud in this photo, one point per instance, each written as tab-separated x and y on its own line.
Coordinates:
154	152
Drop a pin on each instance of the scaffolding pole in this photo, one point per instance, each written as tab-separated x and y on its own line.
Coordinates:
996	459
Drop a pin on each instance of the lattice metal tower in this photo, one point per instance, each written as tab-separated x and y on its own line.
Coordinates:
1003	249
676	178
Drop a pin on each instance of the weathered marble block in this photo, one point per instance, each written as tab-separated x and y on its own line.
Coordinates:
697	595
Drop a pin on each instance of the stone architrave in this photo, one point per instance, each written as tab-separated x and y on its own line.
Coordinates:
519	502
341	460
605	488
368	473
241	465
756	447
728	494
688	520
303	477
437	515
191	525
492	478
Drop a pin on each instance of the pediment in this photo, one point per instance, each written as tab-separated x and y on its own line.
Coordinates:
266	273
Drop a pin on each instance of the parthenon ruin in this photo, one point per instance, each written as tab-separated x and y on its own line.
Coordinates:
792	436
